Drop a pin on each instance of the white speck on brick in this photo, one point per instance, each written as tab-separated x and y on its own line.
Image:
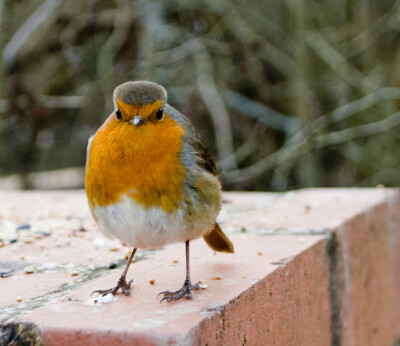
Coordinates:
100	299
99	242
148	323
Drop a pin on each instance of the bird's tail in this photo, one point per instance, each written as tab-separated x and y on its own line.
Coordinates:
218	241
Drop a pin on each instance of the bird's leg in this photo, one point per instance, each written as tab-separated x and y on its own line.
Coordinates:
121	284
187	285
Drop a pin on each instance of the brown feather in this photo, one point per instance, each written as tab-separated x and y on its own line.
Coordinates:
218	241
205	159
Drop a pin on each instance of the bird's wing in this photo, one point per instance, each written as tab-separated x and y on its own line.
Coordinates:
204	158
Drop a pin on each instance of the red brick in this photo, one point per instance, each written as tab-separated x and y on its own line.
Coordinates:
239	273
285	288
369	276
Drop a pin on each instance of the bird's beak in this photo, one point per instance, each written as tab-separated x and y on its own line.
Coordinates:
137	120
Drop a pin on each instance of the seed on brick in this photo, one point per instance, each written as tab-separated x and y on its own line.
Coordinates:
74	273
216	278
175	261
18	299
28	270
259	253
152	281
28	240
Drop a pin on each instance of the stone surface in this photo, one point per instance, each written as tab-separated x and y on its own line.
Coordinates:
311	267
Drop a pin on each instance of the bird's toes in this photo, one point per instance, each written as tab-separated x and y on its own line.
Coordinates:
126	291
102	292
176	296
196	286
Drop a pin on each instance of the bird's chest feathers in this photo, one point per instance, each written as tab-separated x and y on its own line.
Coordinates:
137	162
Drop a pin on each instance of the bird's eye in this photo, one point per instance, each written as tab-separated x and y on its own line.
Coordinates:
159	114
118	113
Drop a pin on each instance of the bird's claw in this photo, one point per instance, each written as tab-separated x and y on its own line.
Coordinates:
122	284
176	295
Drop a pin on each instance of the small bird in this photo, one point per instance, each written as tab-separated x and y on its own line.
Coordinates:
150	180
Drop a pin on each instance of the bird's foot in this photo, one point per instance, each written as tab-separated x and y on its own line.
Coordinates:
122	284
185	290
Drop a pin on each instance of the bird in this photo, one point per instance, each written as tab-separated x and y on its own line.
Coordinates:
151	181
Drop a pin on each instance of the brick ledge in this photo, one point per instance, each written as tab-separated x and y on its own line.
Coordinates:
329	275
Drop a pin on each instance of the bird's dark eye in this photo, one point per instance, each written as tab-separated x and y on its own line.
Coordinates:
118	113
159	114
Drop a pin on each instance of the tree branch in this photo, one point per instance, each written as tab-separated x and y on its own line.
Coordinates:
25	31
216	107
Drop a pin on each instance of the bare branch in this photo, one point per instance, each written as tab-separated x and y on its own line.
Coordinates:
62	101
4	106
351	133
188	48
279	156
47	101
345	112
338	63
365	39
23	34
269	52
115	41
365	103
296	150
216	107
110	49
262	22
246	148
261	112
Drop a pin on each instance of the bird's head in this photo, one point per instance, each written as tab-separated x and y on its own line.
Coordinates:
139	102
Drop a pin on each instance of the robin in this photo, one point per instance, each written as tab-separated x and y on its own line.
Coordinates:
150	180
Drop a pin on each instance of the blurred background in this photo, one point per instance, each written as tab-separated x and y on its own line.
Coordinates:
286	94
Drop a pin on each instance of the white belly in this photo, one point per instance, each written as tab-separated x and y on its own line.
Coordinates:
150	227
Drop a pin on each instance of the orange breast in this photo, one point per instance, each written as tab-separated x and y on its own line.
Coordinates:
139	161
